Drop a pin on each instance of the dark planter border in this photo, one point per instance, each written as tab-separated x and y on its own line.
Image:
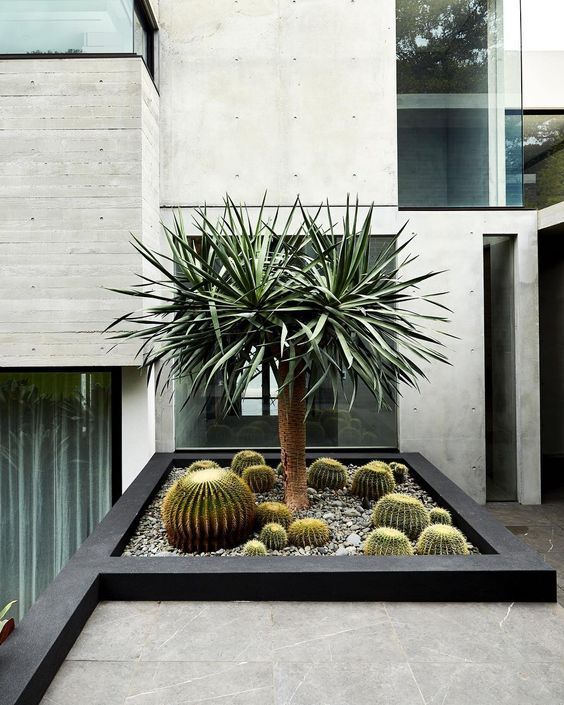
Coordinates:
507	570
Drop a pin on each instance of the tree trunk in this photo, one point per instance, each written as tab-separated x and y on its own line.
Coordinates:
292	432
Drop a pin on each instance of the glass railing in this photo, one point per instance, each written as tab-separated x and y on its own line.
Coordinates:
72	27
459	103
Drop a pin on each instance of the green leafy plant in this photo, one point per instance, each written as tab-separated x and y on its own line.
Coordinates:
301	297
373	481
438	515
202	465
207	510
442	540
274	536
308	532
386	541
402	512
327	473
260	478
400	472
278	512
7	626
254	548
244	459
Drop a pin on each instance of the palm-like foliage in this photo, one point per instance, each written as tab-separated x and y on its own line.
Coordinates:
305	300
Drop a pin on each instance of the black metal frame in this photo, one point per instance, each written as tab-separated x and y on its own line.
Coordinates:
507	570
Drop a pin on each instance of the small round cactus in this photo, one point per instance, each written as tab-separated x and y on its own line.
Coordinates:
308	532
260	478
278	512
327	473
280	469
202	465
244	459
438	515
373	481
274	536
402	512
400	472
442	540
208	509
385	541
254	548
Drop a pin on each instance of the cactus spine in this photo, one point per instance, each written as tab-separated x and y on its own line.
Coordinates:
244	459
373	481
274	536
385	541
202	465
278	512
402	512
208	509
400	472
254	548
327	473
438	515
442	540
308	532
260	478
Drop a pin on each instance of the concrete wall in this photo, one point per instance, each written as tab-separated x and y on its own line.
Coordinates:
540	89
289	97
79	157
446	420
138	423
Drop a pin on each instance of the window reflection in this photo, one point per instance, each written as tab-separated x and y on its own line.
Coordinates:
544	160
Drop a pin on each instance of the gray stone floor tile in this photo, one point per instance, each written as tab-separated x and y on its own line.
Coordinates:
481	633
512	513
345	684
490	683
89	683
176	683
339	631
116	631
211	631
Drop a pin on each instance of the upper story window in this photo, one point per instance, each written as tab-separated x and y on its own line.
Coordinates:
459	103
544	159
69	27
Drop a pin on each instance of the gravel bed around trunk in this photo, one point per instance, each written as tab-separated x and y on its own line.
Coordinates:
348	518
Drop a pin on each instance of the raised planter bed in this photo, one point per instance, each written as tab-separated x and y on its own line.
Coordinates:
505	570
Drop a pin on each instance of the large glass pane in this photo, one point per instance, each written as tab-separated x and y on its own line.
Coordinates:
55	473
255	421
66	26
459	103
544	160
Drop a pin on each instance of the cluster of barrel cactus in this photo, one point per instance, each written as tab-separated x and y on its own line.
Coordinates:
402	512
267	512
385	541
244	459
327	473
206	510
260	478
274	536
441	540
373	480
308	532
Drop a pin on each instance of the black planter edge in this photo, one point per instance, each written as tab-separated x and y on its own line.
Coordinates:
507	570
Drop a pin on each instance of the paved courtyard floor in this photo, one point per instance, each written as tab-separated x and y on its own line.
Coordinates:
323	653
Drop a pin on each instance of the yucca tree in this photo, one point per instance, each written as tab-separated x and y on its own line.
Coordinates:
304	299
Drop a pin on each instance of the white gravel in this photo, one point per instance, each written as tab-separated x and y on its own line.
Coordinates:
348	518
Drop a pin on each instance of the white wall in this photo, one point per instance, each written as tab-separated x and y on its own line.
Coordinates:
79	158
289	97
138	423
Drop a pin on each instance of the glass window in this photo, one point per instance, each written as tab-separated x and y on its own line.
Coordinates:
74	27
255	421
55	473
544	160
459	103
